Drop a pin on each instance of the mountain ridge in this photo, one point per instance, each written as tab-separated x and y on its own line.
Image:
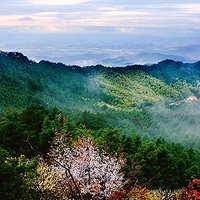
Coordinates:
19	55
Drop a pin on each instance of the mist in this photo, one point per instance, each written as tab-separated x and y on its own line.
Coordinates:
178	123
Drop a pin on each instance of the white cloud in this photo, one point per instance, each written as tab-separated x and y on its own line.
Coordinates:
188	8
69	15
57	2
25	19
126	29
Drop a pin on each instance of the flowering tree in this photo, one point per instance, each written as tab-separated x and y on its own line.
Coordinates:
86	170
45	184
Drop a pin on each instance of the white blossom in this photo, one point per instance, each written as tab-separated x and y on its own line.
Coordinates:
92	171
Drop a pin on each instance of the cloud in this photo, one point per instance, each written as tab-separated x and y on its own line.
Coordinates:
126	30
25	19
57	2
125	16
191	8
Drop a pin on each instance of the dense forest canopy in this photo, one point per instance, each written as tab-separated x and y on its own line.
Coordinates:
147	115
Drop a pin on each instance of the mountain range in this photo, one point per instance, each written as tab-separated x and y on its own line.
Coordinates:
144	58
137	99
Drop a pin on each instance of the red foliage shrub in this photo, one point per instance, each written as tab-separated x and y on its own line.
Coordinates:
138	192
118	194
193	190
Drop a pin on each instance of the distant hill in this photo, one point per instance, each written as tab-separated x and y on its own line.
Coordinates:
144	58
119	61
151	58
192	51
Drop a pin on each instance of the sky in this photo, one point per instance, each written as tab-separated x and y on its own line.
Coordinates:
91	31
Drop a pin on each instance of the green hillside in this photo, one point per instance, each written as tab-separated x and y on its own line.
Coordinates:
121	97
72	87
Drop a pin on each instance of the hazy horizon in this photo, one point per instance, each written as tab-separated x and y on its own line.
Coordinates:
89	32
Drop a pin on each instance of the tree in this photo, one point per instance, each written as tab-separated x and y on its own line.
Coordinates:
86	170
44	182
11	170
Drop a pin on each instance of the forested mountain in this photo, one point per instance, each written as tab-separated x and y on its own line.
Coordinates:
128	88
140	111
137	99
